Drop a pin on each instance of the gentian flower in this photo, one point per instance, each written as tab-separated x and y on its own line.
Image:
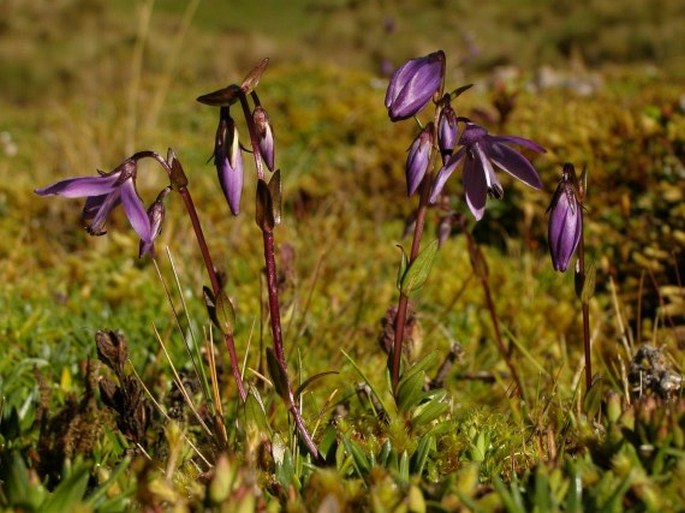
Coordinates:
103	193
480	151
565	220
265	136
419	158
228	160
155	214
414	84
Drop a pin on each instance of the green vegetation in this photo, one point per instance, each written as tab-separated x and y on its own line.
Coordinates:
84	83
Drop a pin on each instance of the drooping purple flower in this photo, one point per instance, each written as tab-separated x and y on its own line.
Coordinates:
103	193
265	135
480	151
565	220
229	160
414	84
418	158
447	132
155	214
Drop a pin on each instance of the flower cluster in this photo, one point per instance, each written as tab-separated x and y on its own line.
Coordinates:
410	90
227	149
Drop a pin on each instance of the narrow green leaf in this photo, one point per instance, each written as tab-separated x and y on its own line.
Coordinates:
225	314
278	376
543	493
361	462
264	211
410	390
401	271
589	283
69	492
255	413
424	447
417	274
404	469
428	412
312	379
276	201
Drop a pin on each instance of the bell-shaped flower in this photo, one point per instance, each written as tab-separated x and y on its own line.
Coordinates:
480	151
447	132
229	160
418	158
265	135
414	84
565	220
155	214
103	193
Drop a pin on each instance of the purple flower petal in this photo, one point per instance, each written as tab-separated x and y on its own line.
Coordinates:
135	211
475	186
81	186
522	141
97	225
444	173
514	163
493	186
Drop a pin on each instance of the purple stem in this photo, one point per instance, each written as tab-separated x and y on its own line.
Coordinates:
207	258
272	289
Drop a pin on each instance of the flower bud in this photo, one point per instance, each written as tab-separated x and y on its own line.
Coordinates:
265	136
228	160
414	84
565	220
156	215
447	132
419	158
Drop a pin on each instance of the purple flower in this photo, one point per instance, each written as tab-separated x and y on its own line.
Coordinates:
480	151
155	214
565	220
228	160
419	158
414	84
265	136
447	132
103	193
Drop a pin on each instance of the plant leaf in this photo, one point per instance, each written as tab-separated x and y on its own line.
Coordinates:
278	376
264	212
417	274
275	190
401	271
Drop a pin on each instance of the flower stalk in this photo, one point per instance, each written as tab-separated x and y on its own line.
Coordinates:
267	217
